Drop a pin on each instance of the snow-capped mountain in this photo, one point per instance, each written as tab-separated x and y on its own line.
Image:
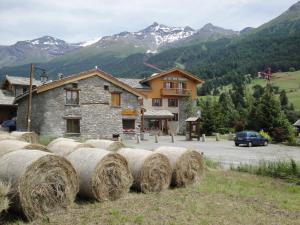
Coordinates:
150	39
37	50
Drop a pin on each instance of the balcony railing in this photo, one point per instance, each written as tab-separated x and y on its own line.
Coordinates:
174	91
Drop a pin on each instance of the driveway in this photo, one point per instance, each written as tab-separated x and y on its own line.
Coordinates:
224	151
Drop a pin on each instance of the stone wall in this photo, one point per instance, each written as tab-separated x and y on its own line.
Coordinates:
98	119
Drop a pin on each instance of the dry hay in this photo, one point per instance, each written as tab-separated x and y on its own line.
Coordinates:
30	137
151	171
60	139
13	145
40	182
64	147
187	165
4	203
103	175
106	144
6	136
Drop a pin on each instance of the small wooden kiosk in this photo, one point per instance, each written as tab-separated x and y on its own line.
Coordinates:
193	128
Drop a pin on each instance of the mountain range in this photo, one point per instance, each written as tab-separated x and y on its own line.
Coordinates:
210	51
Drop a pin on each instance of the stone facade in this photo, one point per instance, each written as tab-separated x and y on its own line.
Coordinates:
98	119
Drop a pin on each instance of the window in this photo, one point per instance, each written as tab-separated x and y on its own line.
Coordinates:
74	85
128	124
72	97
115	99
172	102
156	102
175	118
106	87
169	85
73	126
25	89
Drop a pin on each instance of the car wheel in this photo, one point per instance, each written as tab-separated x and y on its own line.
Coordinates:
236	144
265	143
249	144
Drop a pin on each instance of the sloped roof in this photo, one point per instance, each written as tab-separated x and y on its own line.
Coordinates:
158	114
135	83
297	123
185	73
15	80
81	76
192	119
6	98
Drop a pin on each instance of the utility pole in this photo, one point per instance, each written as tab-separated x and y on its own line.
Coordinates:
30	98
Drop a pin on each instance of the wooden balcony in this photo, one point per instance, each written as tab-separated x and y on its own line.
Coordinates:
174	92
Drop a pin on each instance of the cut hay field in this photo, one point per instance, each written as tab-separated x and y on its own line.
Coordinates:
288	81
223	197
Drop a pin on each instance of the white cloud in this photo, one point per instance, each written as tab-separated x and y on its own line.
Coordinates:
78	20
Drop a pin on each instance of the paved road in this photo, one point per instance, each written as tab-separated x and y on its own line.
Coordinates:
224	151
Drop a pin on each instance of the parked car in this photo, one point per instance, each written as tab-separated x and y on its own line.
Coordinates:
10	124
250	138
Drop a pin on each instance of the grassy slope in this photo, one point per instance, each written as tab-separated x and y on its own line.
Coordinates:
223	197
289	81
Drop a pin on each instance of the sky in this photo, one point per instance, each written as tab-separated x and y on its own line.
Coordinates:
82	20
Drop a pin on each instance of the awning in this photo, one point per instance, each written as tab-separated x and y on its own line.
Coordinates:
158	114
192	119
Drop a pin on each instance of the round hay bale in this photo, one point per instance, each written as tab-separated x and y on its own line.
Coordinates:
6	136
60	139
106	144
30	137
40	182
151	171
13	145
187	165
66	147
4	202
103	175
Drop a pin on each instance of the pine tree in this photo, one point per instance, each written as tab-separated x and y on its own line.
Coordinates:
283	99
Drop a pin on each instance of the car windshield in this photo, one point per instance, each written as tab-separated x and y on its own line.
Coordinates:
241	134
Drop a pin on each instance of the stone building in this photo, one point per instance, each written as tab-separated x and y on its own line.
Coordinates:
165	94
12	87
91	104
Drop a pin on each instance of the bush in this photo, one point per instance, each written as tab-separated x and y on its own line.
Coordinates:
292	69
279	134
265	135
239	126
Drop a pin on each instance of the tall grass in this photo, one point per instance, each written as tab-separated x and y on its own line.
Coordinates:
210	164
286	170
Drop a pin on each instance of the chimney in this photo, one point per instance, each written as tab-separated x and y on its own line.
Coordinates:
60	76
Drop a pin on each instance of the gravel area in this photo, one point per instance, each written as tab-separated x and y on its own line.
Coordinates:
224	151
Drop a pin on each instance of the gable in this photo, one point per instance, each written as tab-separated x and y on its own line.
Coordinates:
85	75
174	74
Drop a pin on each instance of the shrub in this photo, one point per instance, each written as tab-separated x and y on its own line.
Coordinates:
279	134
292	69
239	126
265	135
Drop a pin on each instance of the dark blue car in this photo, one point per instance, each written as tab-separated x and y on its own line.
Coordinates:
250	138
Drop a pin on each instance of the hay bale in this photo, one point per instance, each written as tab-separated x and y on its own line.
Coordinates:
6	136
4	203
105	144
40	182
103	175
60	139
187	165
30	137
64	147
151	171
13	145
